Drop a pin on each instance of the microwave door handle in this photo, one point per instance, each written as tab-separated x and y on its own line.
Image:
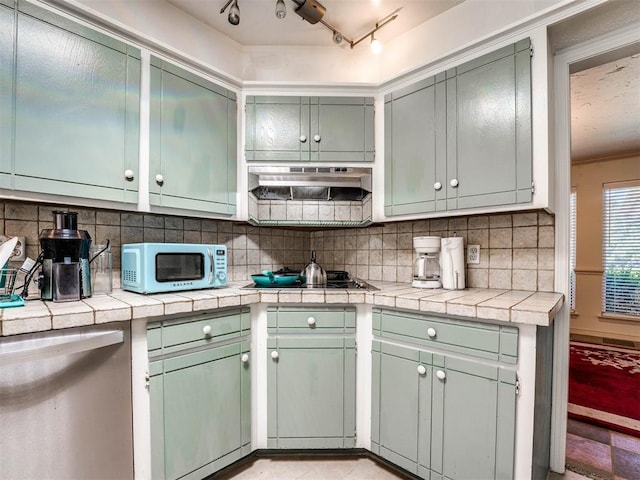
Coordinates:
210	253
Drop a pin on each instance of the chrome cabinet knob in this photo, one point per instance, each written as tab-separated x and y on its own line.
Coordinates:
441	375
431	332
422	370
437	186
244	358
274	355
316	138
303	138
311	321
128	174
206	330
454	182
159	179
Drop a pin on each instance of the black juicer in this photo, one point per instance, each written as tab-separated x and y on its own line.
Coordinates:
65	274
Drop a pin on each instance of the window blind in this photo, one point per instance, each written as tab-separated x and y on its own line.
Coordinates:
572	251
621	248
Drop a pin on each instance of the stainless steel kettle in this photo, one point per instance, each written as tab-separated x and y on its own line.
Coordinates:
314	274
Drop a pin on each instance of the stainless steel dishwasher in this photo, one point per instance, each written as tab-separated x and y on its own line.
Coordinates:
65	404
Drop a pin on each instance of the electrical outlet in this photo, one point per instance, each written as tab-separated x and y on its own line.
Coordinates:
473	253
20	252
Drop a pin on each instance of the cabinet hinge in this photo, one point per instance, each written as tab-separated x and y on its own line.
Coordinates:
533	188
146	380
531	50
517	386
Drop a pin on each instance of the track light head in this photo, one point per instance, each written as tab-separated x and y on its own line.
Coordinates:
281	9
376	46
311	10
337	38
234	13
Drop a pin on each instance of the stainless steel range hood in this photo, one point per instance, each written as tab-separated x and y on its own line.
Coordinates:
310	196
338	177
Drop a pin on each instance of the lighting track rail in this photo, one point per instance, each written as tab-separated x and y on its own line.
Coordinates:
312	11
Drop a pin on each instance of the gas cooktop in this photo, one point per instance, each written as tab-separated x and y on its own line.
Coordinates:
336	279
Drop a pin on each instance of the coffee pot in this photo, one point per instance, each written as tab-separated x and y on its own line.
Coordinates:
426	268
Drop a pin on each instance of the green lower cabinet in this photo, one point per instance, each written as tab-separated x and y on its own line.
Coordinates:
443	417
200	411
311	385
401	403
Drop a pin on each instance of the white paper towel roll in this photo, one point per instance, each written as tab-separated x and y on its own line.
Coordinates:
452	263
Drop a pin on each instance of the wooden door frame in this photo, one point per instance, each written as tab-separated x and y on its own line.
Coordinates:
561	125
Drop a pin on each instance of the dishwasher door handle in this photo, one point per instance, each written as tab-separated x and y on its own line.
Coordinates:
44	348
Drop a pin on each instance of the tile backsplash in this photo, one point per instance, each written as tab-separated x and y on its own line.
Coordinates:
517	250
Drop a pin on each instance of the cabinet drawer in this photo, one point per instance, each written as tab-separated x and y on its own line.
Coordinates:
483	339
187	332
302	320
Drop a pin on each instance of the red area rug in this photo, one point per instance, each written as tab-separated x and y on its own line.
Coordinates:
604	386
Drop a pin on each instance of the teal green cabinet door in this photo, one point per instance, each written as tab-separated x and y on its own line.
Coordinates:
489	152
473	431
7	49
302	129
156	406
205	410
462	139
277	128
192	141
76	109
311	392
415	146
342	129
401	406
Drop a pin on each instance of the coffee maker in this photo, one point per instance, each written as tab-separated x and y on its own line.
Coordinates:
65	275
426	268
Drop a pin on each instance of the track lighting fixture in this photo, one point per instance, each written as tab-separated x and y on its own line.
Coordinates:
281	9
312	11
376	46
234	12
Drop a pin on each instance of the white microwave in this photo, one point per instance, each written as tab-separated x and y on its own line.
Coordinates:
171	267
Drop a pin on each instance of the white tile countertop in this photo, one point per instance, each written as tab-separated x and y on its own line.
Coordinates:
535	308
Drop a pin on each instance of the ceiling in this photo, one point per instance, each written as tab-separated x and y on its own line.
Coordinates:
605	110
353	18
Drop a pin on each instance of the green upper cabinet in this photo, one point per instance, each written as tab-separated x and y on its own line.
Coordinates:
277	128
193	136
7	53
70	99
415	146
489	151
462	139
317	129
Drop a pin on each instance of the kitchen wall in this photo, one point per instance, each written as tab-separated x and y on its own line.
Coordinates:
587	178
517	250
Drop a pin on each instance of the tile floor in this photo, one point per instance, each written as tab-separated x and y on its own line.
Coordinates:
602	454
592	453
311	468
